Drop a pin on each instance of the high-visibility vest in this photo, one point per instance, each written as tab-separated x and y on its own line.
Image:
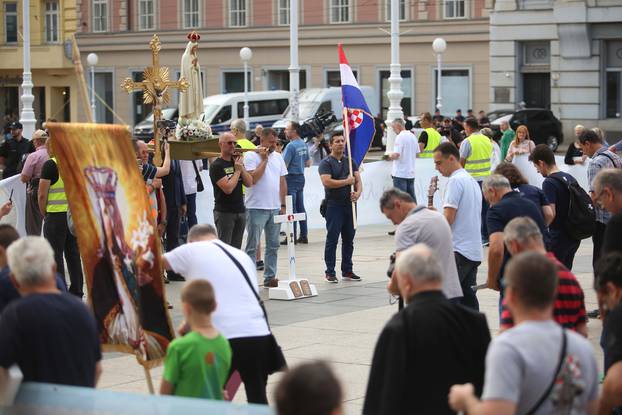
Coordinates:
478	163
434	139
57	199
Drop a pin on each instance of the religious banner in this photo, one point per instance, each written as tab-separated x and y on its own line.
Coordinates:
118	242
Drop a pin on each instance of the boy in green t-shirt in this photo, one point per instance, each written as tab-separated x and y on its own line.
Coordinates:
197	364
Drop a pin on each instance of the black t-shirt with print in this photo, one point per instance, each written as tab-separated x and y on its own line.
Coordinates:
234	202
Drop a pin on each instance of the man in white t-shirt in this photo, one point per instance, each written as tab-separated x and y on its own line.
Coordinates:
536	367
404	156
461	207
264	200
238	315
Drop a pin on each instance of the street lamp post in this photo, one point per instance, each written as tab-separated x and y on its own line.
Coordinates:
27	117
246	54
439	46
92	60
395	93
294	69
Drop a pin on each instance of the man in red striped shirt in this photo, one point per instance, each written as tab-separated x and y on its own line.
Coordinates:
523	235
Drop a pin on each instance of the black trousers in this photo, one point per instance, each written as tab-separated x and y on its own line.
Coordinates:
56	231
249	360
467	274
598	238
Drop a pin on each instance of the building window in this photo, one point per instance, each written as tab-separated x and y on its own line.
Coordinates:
146	15
536	53
233	81
456	90
339	11
333	77
100	15
51	21
10	22
283	12
407	88
402	10
613	79
191	14
454	9
278	79
104	90
237	13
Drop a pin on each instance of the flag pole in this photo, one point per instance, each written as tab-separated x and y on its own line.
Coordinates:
346	131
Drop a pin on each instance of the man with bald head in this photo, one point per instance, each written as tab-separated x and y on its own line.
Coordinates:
227	174
430	335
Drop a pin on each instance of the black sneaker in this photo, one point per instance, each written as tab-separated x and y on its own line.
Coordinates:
594	314
331	278
260	265
302	240
173	276
391	233
350	276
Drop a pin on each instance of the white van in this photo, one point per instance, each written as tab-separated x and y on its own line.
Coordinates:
314	101
264	107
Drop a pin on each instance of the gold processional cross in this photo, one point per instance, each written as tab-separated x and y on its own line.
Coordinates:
155	87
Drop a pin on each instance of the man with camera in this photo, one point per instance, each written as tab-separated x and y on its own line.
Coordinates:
227	174
265	200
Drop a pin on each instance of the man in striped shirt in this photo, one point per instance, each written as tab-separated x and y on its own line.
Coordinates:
523	235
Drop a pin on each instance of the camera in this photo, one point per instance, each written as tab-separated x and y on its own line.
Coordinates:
316	125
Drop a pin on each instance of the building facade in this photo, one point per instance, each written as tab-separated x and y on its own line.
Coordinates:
119	32
565	55
52	23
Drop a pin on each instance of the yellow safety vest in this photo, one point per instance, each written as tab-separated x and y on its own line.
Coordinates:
434	139
478	163
57	199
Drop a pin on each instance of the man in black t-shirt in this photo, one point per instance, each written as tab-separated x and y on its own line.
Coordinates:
227	174
13	151
609	290
337	181
555	188
51	336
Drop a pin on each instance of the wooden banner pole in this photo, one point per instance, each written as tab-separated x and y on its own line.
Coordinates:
77	64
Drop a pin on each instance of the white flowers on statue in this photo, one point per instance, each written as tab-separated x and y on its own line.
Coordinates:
191	100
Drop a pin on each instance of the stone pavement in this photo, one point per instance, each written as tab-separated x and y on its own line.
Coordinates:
342	323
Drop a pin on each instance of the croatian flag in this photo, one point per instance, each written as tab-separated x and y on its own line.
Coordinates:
356	111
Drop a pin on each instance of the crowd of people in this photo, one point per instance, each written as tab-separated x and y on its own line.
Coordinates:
435	355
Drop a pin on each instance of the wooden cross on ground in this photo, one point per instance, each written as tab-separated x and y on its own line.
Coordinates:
155	87
293	288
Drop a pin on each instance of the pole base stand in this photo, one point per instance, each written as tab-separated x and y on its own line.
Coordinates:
292	290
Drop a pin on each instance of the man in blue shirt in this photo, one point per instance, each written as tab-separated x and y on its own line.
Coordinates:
296	156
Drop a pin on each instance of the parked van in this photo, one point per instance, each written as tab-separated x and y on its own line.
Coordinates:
264	107
314	101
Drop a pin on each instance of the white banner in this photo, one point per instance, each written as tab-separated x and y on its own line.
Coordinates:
17	216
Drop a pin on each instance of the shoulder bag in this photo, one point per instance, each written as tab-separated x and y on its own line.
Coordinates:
276	360
197	177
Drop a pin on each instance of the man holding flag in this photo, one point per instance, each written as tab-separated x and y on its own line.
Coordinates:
340	176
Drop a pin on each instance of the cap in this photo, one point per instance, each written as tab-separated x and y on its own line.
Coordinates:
16	126
39	134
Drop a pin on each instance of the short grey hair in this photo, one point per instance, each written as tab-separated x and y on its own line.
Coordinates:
198	232
399	121
611	178
31	260
496	181
389	196
420	264
239	124
522	230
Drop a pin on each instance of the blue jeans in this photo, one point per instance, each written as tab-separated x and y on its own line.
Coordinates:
339	221
191	210
405	185
259	220
295	187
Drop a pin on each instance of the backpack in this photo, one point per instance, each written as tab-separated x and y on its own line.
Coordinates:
581	220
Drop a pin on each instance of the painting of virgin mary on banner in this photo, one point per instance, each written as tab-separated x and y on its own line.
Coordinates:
118	241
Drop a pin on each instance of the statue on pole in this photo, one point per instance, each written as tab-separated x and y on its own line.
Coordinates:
191	100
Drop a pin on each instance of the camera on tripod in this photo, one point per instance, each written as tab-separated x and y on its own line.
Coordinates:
317	125
166	126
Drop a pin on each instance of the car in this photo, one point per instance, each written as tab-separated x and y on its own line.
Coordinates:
543	126
496	114
144	129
